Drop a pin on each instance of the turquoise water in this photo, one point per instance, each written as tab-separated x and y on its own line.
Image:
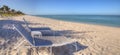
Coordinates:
107	20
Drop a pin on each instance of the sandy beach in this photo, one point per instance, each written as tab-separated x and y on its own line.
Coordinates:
100	40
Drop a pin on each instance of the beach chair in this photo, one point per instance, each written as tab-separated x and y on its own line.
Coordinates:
44	41
45	31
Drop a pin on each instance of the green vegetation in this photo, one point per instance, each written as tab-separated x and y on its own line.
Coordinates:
5	11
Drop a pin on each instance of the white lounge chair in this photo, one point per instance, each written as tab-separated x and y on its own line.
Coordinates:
44	41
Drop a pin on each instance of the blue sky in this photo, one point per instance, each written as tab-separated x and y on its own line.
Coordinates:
54	7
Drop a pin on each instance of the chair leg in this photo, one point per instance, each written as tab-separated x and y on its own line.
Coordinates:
50	50
76	46
18	51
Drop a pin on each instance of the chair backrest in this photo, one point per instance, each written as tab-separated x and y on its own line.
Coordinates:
23	32
26	24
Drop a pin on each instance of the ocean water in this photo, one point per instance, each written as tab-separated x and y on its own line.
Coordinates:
107	20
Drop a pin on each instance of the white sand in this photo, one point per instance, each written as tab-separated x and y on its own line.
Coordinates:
101	40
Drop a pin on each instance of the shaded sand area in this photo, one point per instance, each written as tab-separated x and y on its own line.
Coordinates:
92	39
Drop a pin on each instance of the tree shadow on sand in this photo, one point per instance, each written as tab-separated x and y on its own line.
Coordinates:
8	33
4	22
8	36
68	49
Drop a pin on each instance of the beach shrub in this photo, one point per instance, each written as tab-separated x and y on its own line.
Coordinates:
6	11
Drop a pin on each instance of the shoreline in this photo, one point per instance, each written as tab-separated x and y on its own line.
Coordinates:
114	26
79	22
